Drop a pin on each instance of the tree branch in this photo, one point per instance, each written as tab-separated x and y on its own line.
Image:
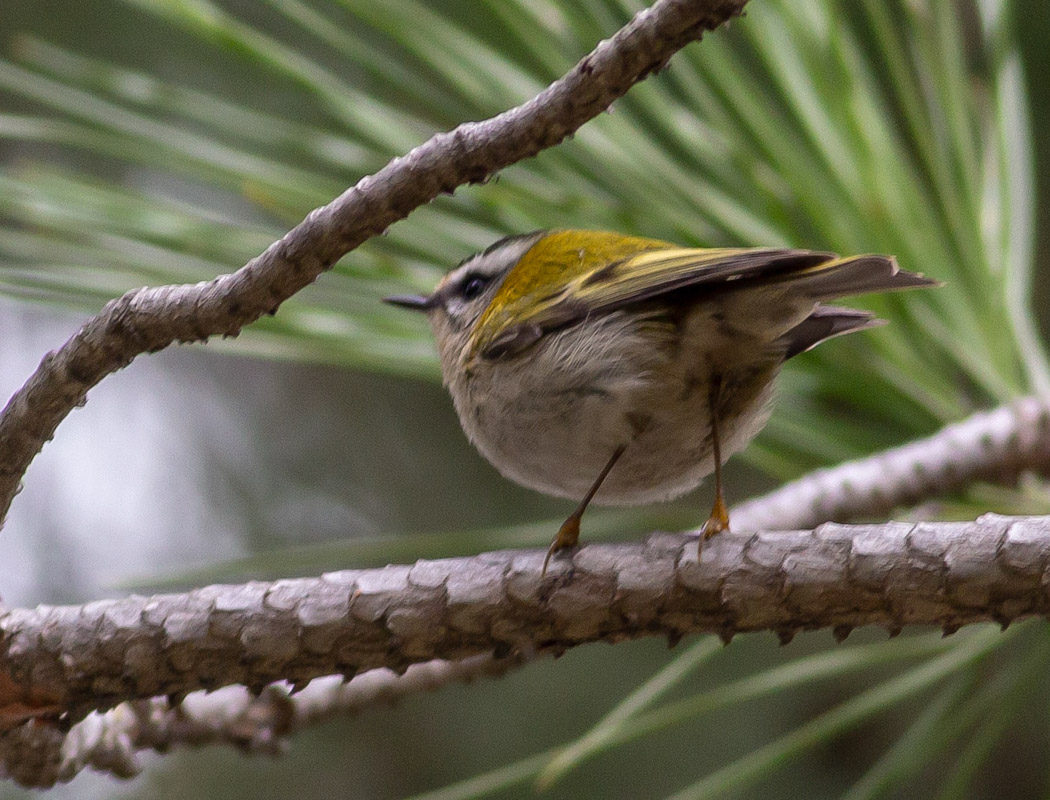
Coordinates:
995	445
261	723
147	320
894	574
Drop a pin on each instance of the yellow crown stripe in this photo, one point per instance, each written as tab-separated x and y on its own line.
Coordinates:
549	267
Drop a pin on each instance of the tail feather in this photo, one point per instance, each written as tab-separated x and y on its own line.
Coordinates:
842	277
826	322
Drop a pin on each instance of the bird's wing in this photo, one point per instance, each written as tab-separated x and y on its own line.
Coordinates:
690	273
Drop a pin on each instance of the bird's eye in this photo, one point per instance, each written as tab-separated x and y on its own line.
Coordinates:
473	286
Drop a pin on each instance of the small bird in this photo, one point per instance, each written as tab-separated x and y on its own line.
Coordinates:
623	370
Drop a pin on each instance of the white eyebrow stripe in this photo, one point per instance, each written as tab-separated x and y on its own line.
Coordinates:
494	260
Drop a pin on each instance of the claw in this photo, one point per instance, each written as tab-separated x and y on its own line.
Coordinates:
568	536
718	521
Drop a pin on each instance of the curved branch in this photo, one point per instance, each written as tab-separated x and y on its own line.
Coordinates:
147	320
893	574
995	445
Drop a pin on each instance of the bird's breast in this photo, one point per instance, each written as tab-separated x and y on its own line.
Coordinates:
551	417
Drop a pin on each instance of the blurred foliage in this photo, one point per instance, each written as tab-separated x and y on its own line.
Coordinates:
883	125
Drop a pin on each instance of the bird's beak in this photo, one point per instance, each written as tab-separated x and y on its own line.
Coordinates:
415	302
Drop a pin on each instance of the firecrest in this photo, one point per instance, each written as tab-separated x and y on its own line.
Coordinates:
623	370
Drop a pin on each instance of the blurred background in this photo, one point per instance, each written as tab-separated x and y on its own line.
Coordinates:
157	141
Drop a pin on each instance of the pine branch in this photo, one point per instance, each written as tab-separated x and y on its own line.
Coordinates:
150	319
82	658
479	615
995	446
43	755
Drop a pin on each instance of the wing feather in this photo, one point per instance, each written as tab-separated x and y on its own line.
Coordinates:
656	274
662	271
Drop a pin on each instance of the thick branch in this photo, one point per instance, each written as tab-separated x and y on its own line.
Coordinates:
995	446
894	574
146	320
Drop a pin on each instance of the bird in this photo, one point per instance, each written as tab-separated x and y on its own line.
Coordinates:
623	370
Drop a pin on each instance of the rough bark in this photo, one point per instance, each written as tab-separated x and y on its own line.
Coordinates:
995	446
150	319
495	604
42	755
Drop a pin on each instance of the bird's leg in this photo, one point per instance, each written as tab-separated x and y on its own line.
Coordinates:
569	532
719	519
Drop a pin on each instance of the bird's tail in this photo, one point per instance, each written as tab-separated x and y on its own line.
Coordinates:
826	322
842	277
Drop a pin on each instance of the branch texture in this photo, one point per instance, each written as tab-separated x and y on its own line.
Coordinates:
147	320
43	755
494	604
995	446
